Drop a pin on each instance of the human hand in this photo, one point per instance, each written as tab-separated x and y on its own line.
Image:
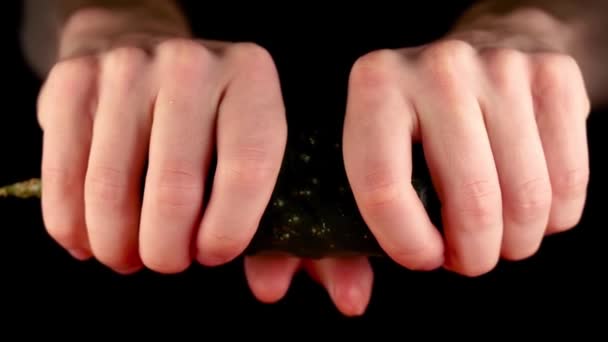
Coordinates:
119	107
114	105
348	281
503	129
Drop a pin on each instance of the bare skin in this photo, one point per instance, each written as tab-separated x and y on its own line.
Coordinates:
126	84
499	105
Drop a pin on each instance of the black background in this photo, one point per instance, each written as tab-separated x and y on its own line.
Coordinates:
564	281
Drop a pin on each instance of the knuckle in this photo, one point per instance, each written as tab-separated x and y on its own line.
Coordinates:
252	64
446	51
552	77
571	183
63	80
251	58
73	68
178	187
558	63
125	60
266	144
504	66
445	62
379	190
177	48
252	166
550	72
374	84
480	201
59	182
531	199
249	174
502	58
184	59
377	69
106	185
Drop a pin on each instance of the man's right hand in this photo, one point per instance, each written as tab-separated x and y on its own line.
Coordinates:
153	102
119	107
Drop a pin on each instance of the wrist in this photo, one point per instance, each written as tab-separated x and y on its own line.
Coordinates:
90	30
536	30
527	29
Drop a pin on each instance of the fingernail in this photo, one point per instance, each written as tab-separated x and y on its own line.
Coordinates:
80	254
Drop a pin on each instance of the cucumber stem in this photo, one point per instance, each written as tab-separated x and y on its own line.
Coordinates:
24	189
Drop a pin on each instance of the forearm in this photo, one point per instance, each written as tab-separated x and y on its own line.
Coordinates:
575	28
52	28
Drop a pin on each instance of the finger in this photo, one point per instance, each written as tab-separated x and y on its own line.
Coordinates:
562	106
269	277
518	153
460	161
64	111
251	138
180	152
348	281
377	155
118	151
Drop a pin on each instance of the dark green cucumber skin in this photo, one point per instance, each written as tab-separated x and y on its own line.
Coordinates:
313	213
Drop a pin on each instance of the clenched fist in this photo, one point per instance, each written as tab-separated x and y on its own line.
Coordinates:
503	131
159	109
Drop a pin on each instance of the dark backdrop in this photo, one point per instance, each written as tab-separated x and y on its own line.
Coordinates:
40	278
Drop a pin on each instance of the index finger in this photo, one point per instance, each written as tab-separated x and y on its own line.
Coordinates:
377	153
251	138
